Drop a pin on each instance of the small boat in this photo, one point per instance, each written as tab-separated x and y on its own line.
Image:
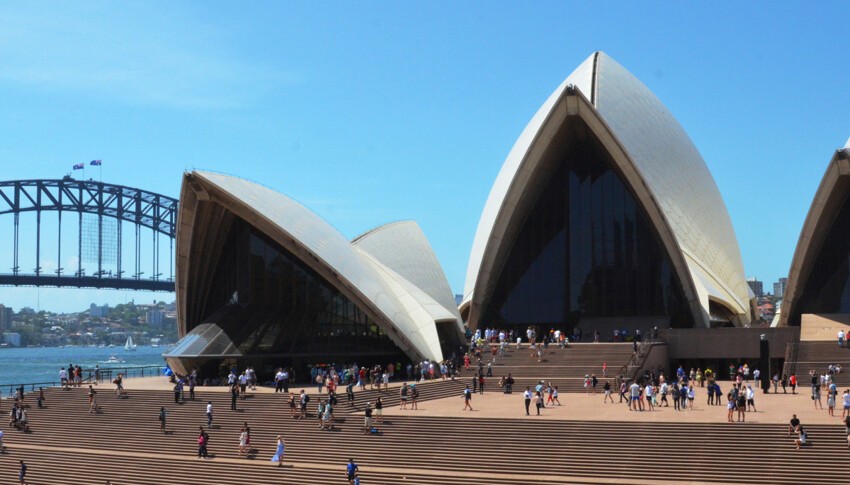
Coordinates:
129	345
113	359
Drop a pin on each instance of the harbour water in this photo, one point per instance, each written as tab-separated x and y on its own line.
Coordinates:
42	364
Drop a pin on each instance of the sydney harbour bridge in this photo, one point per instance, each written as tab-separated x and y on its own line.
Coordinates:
86	234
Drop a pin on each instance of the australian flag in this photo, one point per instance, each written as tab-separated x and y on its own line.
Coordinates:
96	163
79	166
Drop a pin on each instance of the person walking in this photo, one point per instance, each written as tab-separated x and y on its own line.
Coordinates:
22	473
538	401
243	441
209	414
203	440
467	396
278	454
234	394
92	400
162	414
527	396
351	471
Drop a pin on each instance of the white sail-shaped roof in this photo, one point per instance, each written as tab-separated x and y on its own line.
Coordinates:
831	194
657	159
398	306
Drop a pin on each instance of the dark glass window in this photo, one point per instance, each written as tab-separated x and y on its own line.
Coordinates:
282	307
827	289
586	249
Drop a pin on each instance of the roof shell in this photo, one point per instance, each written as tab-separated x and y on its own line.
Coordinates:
831	193
325	250
667	172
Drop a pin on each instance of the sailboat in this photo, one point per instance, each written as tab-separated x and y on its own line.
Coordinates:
129	345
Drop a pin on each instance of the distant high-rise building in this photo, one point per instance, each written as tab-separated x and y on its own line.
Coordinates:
6	314
99	311
458	299
779	287
756	285
155	317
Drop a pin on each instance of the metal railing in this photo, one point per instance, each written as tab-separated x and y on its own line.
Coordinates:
628	371
791	352
88	377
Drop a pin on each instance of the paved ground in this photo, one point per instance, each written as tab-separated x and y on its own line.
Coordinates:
772	408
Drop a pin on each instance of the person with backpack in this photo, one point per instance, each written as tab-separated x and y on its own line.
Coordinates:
467	396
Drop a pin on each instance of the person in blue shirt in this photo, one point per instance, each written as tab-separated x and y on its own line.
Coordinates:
351	471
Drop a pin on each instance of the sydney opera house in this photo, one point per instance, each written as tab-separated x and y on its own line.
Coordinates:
603	216
819	280
263	281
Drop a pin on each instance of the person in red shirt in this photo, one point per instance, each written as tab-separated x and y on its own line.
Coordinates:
793	382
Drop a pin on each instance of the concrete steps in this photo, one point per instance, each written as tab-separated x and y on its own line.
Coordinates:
123	444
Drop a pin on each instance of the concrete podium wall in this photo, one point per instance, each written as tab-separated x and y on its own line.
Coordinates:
823	326
726	343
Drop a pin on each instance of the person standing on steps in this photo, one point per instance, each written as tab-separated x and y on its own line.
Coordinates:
92	400
527	396
278	454
234	394
351	472
367	422
22	473
209	414
203	441
162	415
379	410
349	393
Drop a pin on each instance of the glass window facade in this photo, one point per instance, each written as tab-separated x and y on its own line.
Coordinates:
827	288
586	249
271	304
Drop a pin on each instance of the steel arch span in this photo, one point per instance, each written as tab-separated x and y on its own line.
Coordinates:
99	212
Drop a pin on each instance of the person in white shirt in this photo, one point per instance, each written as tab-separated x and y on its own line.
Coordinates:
664	392
751	395
209	414
527	397
649	397
841	338
846	403
63	377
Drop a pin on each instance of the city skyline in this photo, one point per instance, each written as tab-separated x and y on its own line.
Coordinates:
408	105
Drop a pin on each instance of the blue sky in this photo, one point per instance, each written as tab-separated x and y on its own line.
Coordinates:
374	112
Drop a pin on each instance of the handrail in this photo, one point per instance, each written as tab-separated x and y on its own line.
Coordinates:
646	343
106	374
791	354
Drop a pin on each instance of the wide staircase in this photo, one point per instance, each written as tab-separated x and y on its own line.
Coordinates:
122	443
564	368
818	356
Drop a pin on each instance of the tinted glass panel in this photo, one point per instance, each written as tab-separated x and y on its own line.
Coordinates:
586	249
270	303
827	289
